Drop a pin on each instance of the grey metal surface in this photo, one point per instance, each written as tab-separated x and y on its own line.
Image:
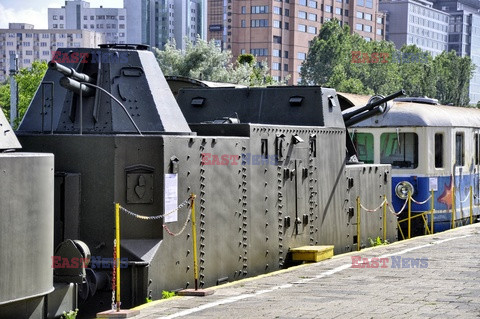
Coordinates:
26	222
137	82
301	105
8	140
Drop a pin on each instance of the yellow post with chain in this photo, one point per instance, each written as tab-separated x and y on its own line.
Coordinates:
194	239
471	205
117	261
384	218
409	215
432	209
358	223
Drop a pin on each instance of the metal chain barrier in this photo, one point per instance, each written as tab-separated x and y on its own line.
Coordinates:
421	203
373	210
466	197
114	274
183	204
183	228
401	210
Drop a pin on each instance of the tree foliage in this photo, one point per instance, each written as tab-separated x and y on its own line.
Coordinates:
205	61
349	63
28	80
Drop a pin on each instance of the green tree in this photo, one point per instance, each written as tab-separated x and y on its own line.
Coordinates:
28	80
206	61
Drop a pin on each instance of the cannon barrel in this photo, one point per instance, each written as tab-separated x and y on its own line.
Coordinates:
71	73
77	87
369	110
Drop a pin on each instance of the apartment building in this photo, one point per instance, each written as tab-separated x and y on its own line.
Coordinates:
77	15
155	22
31	44
280	31
416	22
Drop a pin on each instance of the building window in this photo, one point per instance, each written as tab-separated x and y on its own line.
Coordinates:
367	28
287	12
380	20
285	67
277	24
286	54
302	2
312	4
287	26
243	24
277	10
346	12
244	10
259	52
55	26
275	66
92	17
338	11
301	56
312	17
328	8
302	28
26	44
121	26
61	26
258	9
361	3
359	27
369	3
55	17
302	14
259	23
43	44
277	39
379	31
61	17
312	30
121	17
10	43
359	14
277	53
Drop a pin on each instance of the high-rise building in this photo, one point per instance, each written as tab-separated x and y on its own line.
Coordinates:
280	31
31	44
464	35
155	22
416	22
77	14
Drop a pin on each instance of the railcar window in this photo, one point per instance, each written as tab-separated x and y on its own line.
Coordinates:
364	145
438	150
399	149
477	149
459	149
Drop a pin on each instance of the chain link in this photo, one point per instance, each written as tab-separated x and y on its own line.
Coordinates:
467	197
183	228
373	210
183	204
421	203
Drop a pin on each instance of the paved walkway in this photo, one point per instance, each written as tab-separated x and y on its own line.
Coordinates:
444	282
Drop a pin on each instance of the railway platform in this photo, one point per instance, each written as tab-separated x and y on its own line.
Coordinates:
435	276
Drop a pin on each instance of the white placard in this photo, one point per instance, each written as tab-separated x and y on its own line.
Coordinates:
171	197
433	184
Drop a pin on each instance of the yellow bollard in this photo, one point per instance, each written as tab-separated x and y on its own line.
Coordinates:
194	239
409	215
358	223
471	205
384	218
432	209
453	207
117	261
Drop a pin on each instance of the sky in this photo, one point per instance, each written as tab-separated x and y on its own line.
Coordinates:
35	11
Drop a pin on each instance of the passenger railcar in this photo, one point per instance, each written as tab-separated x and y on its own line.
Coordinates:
431	147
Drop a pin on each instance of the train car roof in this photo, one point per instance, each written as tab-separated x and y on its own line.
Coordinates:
403	114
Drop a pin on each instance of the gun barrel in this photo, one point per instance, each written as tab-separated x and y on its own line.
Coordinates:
81	77
369	110
77	87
